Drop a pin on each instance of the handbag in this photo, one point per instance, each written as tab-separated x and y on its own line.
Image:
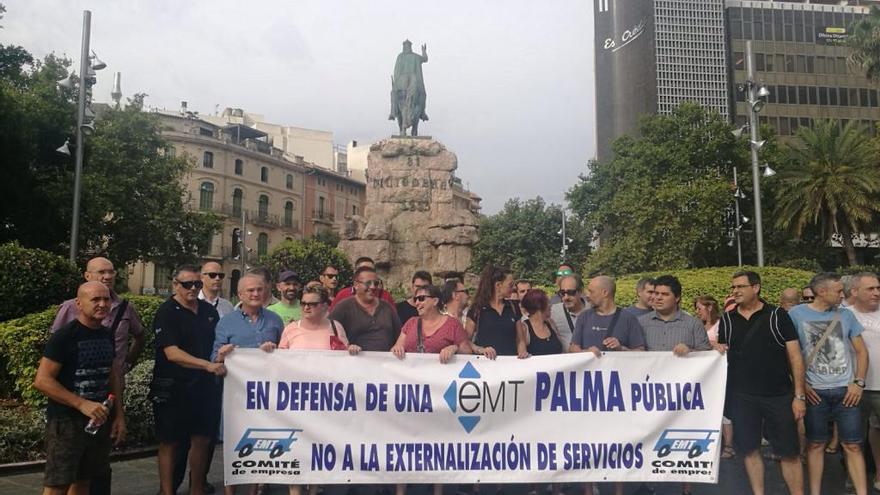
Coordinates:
336	344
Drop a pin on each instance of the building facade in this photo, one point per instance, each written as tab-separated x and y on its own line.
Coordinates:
653	55
800	57
262	197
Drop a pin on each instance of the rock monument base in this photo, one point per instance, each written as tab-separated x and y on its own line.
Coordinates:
415	217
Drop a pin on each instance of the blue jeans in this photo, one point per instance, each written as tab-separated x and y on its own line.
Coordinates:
848	419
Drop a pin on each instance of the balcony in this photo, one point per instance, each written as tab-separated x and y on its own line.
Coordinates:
322	217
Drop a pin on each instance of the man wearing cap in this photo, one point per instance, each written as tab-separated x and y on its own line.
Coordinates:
212	278
289	286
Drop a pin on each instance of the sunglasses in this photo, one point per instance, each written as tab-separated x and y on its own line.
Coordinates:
310	305
568	292
214	275
563	273
808	298
190	284
422	298
330	275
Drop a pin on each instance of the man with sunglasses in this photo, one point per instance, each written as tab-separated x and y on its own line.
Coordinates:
565	269
184	391
347	292
370	322
565	313
329	278
212	284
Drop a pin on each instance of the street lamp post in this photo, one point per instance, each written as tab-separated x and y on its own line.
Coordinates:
84	67
738	229
755	103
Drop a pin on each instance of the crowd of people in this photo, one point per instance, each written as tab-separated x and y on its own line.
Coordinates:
799	373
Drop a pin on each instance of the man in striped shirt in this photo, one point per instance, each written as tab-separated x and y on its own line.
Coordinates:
667	327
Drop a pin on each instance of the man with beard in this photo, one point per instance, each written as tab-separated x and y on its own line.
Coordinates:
289	285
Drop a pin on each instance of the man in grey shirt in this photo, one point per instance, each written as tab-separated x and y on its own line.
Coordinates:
565	313
644	295
369	322
667	328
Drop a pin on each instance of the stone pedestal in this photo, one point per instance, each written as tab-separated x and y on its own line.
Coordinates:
414	219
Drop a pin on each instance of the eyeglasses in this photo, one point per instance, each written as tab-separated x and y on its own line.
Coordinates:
330	275
214	275
111	271
310	305
373	283
466	291
189	284
568	292
562	273
422	298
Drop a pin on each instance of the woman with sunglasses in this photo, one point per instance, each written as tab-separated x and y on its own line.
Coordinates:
431	331
313	331
491	319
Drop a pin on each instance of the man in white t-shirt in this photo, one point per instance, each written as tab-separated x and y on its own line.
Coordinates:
865	304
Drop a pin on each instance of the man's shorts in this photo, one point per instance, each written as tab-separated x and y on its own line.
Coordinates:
74	455
184	417
848	419
752	414
871	408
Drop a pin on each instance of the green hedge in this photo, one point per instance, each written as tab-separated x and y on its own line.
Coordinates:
716	282
32	279
22	341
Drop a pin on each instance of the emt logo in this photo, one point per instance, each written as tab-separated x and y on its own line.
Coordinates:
274	440
474	396
694	442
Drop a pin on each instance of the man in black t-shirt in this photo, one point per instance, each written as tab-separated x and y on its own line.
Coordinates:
77	374
764	354
185	393
406	309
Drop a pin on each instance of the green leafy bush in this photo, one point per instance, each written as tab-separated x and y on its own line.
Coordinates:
716	282
22	430
138	408
32	279
22	341
307	257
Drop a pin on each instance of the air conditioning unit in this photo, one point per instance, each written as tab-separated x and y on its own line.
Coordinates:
148	291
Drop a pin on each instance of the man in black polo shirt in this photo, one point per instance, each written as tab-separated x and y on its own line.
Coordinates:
185	393
764	355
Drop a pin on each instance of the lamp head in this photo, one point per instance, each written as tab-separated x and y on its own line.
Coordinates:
88	128
64	149
768	172
763	92
97	63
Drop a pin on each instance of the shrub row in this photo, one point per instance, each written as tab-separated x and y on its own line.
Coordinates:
32	279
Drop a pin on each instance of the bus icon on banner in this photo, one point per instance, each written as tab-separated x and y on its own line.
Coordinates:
275	440
694	442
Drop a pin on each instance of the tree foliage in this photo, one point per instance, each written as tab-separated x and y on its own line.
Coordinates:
864	40
307	257
832	181
524	237
31	279
661	201
133	197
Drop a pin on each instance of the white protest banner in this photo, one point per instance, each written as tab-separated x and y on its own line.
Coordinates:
298	417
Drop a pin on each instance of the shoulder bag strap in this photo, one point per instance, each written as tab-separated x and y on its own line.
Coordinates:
333	326
421	343
613	322
120	311
568	319
815	351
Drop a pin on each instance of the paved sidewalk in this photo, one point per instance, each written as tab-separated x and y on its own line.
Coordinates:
139	477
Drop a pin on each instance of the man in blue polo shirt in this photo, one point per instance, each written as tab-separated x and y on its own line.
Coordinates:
251	325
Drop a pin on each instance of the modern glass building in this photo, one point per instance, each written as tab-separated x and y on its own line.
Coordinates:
652	55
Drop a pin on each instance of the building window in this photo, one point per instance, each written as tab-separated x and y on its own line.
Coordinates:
205	132
262	244
233	281
162	278
320	206
206	196
354	209
264	174
208	160
263	207
288	214
237	196
289	181
239	167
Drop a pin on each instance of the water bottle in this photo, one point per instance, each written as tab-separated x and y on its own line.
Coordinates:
94	424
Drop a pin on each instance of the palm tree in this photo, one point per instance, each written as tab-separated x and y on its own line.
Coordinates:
864	40
831	181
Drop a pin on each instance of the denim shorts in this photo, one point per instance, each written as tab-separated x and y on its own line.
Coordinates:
831	408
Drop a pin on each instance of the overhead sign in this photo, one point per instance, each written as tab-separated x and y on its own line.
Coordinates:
301	417
831	35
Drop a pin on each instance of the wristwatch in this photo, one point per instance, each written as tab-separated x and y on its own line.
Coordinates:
802	398
859	382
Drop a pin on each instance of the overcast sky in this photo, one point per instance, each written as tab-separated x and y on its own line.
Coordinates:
509	82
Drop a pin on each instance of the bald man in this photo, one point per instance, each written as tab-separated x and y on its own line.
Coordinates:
122	319
77	374
789	298
605	327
